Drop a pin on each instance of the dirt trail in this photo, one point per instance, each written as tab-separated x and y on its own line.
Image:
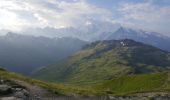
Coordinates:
36	92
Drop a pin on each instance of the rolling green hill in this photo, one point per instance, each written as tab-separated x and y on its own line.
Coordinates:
104	60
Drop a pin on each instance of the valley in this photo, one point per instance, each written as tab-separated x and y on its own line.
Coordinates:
106	69
25	53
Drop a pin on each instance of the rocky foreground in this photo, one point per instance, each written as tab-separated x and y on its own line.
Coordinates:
19	90
11	91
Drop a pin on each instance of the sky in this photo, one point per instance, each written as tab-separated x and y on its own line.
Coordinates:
19	15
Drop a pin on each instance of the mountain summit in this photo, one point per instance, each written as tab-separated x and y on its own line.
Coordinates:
152	38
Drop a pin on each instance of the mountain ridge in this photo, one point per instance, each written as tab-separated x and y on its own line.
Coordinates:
104	60
93	32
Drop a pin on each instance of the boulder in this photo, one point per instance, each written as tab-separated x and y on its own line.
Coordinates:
1	81
5	89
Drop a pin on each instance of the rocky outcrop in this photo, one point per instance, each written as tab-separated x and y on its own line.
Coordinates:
11	91
5	89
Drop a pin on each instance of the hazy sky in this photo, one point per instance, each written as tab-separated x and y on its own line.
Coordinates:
18	15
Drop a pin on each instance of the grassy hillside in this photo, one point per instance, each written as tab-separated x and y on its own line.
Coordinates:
60	89
122	86
136	84
105	60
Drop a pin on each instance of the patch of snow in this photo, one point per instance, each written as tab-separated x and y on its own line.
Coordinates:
122	43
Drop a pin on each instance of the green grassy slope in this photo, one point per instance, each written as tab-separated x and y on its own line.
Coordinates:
136	84
60	89
124	85
104	60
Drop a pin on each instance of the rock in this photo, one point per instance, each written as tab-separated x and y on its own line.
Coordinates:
112	97
18	89
15	91
5	89
1	81
26	93
19	94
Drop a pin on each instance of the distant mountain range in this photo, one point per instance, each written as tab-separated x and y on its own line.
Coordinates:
48	45
23	54
94	31
104	60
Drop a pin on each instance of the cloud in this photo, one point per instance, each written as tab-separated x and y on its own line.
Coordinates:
145	14
19	14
